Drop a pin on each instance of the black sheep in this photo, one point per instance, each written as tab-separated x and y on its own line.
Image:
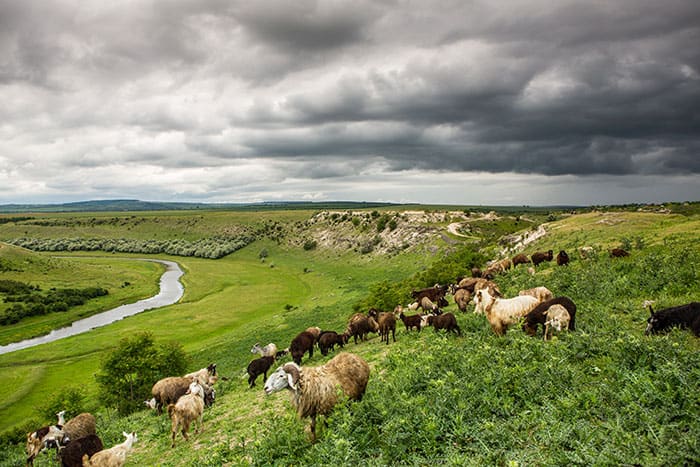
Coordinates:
258	367
537	317
72	454
562	258
683	316
302	343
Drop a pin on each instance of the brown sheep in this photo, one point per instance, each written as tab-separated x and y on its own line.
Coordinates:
168	390
361	325
387	324
540	293
329	339
520	258
413	321
540	257
302	343
461	298
445	321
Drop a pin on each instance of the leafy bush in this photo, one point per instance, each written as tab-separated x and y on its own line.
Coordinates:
128	373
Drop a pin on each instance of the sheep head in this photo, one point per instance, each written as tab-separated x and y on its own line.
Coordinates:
286	376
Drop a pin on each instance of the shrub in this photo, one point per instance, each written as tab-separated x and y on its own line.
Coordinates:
128	373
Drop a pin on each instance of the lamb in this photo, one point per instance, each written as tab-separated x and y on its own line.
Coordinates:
445	321
169	390
258	367
387	324
329	339
114	456
540	293
315	389
540	257
520	258
502	312
557	318
270	350
302	343
683	316
537	315
189	408
205	376
361	325
72	454
413	321
562	258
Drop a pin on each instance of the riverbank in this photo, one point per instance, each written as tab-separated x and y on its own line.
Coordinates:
171	290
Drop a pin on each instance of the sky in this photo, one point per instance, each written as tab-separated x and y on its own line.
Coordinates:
532	102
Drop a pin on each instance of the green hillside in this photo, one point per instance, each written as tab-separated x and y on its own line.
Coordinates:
605	394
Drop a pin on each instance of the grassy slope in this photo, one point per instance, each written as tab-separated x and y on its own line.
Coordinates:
494	425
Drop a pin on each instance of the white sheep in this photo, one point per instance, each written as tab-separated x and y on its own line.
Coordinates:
114	456
315	389
557	317
502	312
187	409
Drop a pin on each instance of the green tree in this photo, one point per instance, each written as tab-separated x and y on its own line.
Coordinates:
128	373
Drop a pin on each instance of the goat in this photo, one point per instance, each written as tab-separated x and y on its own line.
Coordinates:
387	324
537	315
205	376
329	339
682	316
72	454
361	325
413	321
302	343
445	321
502	312
270	350
258	367
557	318
188	408
114	456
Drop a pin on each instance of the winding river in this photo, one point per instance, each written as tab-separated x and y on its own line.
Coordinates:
171	290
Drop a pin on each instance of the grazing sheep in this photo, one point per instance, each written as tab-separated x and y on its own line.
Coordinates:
562	258
281	353
315	389
258	367
539	257
114	456
683	316
302	343
188	409
413	306
473	284
462	298
387	324
445	321
476	272
72	454
586	252
537	315
540	293
618	253
329	339
413	321
205	376
169	390
361	325
270	350
427	305
531	271
520	258
557	318
502	312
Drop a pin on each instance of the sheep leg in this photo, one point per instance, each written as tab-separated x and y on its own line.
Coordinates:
313	428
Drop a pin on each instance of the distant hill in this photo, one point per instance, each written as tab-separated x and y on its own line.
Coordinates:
137	205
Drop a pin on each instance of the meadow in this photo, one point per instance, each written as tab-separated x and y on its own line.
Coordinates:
605	394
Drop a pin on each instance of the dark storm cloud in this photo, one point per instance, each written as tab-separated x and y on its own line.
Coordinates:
320	90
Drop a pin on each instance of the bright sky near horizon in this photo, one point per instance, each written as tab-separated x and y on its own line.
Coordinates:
457	102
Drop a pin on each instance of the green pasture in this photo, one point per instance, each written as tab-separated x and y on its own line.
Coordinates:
603	395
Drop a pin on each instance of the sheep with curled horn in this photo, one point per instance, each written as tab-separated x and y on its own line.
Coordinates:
315	390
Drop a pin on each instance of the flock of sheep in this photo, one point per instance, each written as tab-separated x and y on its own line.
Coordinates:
315	390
